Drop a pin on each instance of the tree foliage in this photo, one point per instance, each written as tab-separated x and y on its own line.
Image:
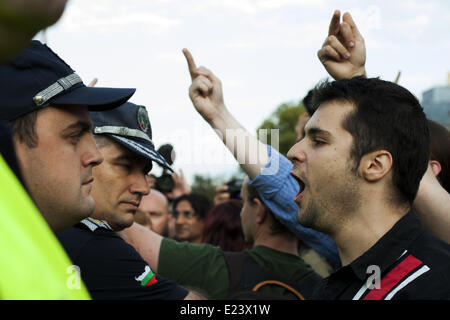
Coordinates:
284	118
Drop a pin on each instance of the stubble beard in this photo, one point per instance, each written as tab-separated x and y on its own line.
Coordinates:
327	212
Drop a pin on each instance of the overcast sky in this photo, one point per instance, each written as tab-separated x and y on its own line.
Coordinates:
264	51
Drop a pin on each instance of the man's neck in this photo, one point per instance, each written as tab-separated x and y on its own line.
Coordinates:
365	227
280	242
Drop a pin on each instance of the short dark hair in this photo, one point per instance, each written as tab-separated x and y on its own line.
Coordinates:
440	151
200	203
24	129
308	102
386	116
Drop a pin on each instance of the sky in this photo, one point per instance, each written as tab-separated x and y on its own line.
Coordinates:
264	52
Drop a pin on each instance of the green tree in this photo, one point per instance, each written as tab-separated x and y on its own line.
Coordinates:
284	118
205	185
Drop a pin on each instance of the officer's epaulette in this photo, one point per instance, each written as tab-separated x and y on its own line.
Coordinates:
94	224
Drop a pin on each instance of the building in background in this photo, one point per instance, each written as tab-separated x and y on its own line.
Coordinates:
436	103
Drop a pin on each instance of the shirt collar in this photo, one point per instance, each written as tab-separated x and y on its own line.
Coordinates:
390	247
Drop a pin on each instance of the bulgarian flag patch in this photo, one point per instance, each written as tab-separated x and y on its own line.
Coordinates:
147	278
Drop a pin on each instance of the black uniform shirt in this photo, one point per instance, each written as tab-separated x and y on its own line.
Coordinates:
408	262
111	268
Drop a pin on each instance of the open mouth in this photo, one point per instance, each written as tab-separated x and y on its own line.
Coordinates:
302	186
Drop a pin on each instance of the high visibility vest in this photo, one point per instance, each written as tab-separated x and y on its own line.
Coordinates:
33	264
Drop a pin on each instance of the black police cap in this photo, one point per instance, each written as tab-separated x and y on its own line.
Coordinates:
38	77
130	126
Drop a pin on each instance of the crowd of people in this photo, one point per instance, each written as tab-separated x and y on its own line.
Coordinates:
358	209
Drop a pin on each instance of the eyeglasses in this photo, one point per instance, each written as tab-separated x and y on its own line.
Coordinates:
186	213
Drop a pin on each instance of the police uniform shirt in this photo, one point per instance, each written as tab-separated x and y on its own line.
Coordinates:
111	268
408	262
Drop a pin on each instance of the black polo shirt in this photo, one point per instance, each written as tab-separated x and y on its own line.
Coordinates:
111	268
410	261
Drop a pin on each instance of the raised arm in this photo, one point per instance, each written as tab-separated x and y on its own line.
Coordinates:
145	241
432	205
207	97
343	54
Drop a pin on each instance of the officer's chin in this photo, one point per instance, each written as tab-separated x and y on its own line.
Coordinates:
123	224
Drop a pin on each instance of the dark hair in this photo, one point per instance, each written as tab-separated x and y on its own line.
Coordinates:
308	102
223	226
276	226
440	151
24	128
386	116
200	203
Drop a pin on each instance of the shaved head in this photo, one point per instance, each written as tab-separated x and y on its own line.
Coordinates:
153	212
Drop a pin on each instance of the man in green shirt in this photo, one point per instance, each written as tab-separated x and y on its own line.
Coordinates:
204	267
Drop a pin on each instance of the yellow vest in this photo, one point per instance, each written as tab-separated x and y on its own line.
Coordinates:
33	264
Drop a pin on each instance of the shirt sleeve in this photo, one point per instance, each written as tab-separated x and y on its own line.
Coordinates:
200	266
277	189
112	269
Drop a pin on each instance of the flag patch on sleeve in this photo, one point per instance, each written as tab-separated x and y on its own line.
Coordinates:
147	278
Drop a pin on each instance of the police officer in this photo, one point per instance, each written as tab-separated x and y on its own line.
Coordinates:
111	268
46	103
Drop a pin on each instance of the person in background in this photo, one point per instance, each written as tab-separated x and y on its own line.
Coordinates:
432	202
153	213
189	212
440	153
223	226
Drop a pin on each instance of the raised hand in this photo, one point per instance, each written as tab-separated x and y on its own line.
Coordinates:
343	53
221	195
181	186
206	95
93	82
205	90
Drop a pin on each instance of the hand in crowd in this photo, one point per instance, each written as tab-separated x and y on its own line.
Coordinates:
205	90
181	186
93	82
343	54
151	180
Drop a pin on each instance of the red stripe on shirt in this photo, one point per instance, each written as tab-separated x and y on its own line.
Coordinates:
394	277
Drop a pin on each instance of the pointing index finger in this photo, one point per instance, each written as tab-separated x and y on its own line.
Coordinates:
191	63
